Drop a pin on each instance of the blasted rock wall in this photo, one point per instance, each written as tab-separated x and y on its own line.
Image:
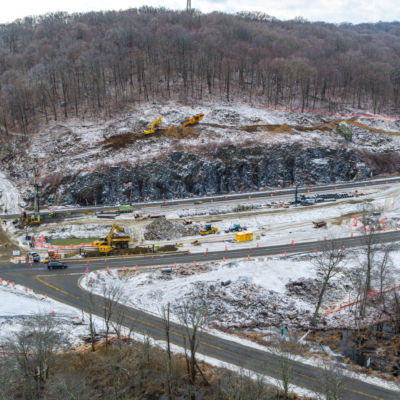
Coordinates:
223	170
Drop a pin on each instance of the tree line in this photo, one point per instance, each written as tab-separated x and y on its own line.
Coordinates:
63	65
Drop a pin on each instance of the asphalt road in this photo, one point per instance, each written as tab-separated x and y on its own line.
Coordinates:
63	286
233	196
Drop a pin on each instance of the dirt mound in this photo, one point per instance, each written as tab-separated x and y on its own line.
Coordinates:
120	141
164	229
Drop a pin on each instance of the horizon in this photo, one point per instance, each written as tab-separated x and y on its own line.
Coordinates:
314	11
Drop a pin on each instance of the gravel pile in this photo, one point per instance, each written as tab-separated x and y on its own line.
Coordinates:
164	229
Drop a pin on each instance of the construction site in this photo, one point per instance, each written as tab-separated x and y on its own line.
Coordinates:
249	297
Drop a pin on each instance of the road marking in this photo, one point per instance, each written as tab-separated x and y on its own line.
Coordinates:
56	288
306	376
216	347
371	396
142	322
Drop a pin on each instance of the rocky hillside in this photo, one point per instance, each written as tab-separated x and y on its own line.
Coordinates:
236	147
227	169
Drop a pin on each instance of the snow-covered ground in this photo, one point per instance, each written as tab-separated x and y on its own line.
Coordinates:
17	305
82	145
258	292
10	199
270	292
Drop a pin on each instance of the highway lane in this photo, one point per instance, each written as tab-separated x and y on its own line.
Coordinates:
228	196
62	286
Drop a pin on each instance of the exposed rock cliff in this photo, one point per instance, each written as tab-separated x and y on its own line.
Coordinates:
227	169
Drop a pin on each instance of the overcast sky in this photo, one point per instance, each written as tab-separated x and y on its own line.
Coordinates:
354	11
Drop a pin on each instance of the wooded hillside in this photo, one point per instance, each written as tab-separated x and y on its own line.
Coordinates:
59	65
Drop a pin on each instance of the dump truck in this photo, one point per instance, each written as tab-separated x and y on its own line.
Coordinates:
244	236
208	230
111	242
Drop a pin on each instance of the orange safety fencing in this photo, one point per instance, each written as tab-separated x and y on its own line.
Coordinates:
373	293
60	247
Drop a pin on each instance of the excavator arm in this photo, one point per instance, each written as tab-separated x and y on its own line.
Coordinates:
110	235
154	124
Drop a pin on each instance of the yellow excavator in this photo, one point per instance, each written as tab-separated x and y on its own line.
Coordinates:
192	120
111	242
155	124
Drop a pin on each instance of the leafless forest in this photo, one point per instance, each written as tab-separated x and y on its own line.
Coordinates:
58	66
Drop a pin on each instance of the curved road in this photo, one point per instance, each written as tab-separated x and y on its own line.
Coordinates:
63	286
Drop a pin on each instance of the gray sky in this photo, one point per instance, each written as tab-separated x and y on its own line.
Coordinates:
354	11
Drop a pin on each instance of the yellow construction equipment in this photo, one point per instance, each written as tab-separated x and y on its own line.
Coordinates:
31	219
244	236
154	124
192	120
111	242
208	230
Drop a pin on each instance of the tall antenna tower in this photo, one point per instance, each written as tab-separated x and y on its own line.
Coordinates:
189	5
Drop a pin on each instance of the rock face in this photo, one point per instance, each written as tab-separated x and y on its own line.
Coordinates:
223	170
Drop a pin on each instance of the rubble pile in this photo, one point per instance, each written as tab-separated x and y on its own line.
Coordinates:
164	229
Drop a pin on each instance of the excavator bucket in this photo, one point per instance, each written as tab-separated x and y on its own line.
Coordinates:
155	124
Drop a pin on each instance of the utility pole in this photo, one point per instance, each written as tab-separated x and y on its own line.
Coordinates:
36	195
189	5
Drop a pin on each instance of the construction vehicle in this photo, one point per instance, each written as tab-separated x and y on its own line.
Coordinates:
111	242
125	209
192	120
155	124
234	228
244	236
208	230
196	243
52	256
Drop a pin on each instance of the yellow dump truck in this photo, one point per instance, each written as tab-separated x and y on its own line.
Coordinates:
244	236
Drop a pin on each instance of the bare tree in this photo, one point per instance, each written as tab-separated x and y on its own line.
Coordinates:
287	350
35	349
384	267
374	262
8	377
329	263
111	295
92	326
69	386
331	386
243	386
370	246
167	330
191	316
